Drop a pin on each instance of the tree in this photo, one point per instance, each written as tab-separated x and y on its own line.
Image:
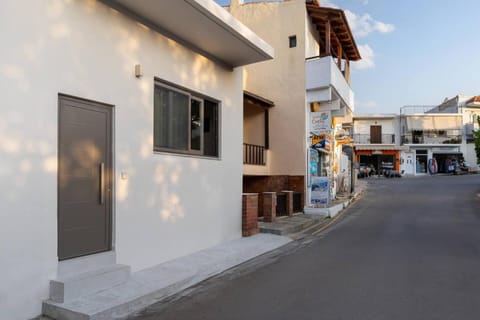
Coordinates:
476	135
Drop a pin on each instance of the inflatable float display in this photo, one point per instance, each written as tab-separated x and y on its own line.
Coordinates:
432	166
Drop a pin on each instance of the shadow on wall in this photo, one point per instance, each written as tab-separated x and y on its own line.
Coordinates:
31	70
133	42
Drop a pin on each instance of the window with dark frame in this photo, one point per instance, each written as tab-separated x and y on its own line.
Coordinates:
292	41
184	122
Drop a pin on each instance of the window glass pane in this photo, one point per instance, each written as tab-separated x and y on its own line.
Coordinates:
196	125
210	129
171	119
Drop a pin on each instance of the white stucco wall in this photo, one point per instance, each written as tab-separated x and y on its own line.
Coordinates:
281	80
469	124
169	206
323	73
362	126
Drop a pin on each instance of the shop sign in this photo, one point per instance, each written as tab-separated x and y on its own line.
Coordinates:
320	191
321	141
320	122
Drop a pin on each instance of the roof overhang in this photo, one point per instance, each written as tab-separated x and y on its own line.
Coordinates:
339	25
473	102
256	100
202	26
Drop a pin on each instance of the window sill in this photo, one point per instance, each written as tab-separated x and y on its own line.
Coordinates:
186	155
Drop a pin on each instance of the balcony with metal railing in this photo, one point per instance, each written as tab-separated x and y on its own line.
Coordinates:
433	137
371	139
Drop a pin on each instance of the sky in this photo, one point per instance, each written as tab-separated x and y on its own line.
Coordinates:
415	52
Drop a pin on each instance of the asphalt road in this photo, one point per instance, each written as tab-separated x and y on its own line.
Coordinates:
409	249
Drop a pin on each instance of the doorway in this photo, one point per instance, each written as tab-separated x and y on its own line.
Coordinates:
408	164
421	161
84	177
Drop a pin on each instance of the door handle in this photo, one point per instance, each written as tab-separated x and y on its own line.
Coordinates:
102	182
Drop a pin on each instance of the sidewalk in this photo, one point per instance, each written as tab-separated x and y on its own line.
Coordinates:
312	219
152	285
155	284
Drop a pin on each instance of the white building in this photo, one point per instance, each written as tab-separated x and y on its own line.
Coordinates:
469	108
430	135
120	136
377	142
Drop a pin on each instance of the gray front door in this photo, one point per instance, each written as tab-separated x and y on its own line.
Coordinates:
84	177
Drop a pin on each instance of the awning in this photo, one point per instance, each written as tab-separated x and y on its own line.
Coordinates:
434	122
380	147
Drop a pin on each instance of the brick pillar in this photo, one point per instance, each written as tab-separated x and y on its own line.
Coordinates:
289	202
269	206
249	214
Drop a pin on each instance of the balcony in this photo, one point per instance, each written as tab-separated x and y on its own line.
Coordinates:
433	137
368	139
325	82
254	155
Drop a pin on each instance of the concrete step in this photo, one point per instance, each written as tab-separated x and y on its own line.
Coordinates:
310	230
142	290
152	285
290	225
66	288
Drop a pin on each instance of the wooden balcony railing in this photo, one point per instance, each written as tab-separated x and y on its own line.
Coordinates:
253	154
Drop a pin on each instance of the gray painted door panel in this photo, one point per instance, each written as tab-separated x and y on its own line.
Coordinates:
85	142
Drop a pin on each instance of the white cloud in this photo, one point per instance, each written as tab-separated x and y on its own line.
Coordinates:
363	25
367	60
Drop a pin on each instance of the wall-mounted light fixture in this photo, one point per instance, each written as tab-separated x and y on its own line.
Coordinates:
138	70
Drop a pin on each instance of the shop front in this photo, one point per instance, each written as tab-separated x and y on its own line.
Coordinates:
380	160
435	159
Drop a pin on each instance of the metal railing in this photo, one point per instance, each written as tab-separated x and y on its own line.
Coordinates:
416	109
431	138
254	154
367	139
